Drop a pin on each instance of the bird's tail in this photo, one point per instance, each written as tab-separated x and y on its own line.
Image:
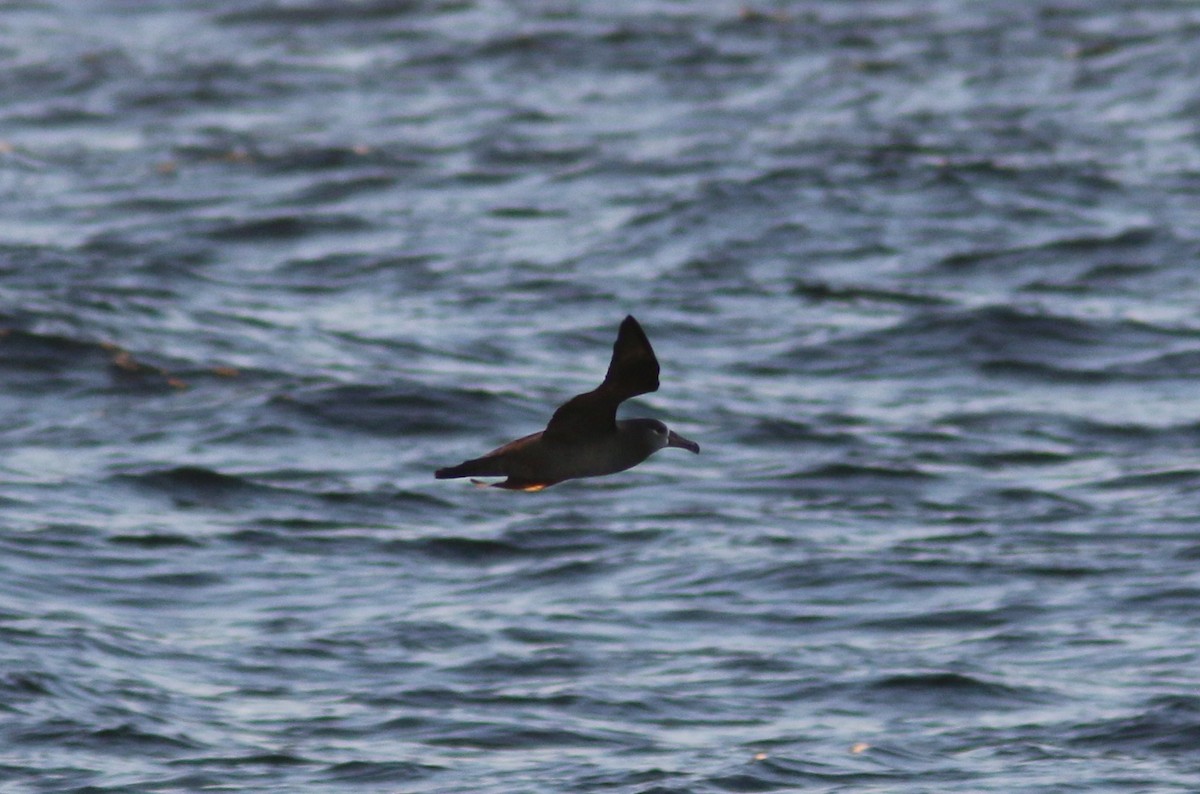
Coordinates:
479	467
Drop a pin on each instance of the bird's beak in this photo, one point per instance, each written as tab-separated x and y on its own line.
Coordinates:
676	440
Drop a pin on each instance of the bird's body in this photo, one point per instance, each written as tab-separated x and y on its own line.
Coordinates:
584	437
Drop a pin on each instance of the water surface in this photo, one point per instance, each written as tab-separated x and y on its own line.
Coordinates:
922	279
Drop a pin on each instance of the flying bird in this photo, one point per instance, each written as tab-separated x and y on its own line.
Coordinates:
584	437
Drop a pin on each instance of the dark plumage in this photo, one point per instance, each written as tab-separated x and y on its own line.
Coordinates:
584	437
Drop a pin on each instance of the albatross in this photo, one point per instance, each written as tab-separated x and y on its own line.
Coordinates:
584	437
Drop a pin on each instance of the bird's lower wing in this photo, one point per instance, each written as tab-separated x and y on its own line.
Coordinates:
511	484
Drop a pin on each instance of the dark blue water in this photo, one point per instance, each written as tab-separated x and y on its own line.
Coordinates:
923	279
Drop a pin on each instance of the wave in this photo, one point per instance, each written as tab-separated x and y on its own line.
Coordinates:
361	773
395	409
1169	723
825	292
1188	478
992	339
290	226
51	363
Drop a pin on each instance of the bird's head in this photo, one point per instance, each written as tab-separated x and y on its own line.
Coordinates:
658	436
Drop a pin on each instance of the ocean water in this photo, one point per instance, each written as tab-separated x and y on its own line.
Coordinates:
923	278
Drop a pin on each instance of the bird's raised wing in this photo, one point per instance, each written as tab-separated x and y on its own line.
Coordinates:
632	371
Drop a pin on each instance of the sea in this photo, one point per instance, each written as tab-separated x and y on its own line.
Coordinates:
923	277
